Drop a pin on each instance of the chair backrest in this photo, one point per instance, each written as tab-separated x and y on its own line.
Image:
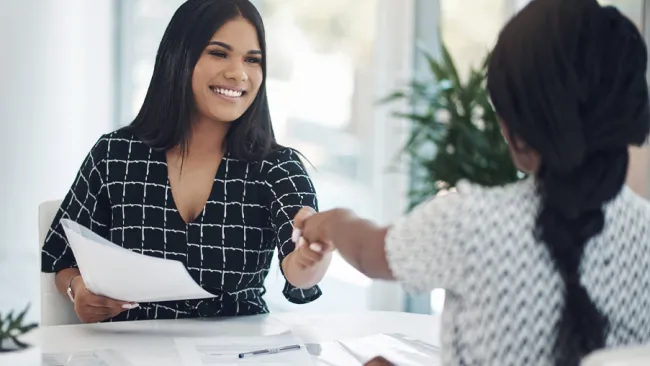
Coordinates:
624	356
56	309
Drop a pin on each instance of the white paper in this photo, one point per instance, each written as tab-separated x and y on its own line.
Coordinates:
226	350
112	271
86	358
396	348
331	354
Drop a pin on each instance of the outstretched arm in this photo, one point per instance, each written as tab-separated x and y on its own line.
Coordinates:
360	242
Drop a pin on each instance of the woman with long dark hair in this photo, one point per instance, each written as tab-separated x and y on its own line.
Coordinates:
197	177
550	269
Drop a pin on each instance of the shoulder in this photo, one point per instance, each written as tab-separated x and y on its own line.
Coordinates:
282	155
122	135
475	197
122	145
111	139
472	208
284	172
284	160
628	208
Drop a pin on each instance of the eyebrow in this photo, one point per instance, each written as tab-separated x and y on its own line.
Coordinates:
229	47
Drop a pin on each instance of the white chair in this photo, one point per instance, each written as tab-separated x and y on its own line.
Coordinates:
623	356
56	309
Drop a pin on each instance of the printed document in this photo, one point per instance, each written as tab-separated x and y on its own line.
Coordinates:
112	271
397	348
226	350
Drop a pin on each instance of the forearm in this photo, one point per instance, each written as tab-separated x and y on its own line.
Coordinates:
305	278
362	244
63	278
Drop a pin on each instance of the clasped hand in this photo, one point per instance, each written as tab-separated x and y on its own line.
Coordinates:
317	231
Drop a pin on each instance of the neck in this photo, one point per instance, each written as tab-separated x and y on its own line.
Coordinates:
208	137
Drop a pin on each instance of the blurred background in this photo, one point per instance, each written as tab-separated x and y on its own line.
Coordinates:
74	69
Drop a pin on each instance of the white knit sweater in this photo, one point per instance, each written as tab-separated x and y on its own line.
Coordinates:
504	297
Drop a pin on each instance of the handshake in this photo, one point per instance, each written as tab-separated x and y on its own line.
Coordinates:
315	235
360	242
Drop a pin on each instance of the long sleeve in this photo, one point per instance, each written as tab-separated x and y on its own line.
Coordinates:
86	203
425	249
289	189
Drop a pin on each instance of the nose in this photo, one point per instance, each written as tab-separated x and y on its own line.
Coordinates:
235	72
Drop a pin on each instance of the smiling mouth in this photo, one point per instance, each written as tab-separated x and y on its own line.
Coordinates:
230	93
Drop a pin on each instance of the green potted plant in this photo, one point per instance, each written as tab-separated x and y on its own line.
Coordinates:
13	351
455	133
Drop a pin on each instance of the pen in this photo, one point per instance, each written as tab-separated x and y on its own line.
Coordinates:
269	351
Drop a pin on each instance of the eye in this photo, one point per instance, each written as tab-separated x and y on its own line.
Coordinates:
220	54
254	60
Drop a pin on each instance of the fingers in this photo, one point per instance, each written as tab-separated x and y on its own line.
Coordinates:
89	314
322	248
316	247
91	308
308	255
105	302
299	220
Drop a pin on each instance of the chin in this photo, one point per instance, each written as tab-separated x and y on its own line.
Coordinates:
226	117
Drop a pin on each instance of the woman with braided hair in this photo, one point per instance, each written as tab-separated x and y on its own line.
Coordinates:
552	268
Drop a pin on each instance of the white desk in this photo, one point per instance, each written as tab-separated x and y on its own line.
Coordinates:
148	343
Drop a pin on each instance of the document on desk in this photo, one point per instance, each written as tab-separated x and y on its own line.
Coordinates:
107	357
112	271
397	348
226	351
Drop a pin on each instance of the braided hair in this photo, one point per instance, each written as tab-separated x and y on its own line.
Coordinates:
568	77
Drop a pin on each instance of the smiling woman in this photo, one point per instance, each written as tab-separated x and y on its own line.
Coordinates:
198	177
229	70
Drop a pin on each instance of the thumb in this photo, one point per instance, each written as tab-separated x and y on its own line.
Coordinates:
299	221
324	247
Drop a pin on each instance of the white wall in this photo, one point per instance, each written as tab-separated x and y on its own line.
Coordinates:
56	98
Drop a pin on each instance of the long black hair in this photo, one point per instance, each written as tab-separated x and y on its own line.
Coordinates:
164	120
568	77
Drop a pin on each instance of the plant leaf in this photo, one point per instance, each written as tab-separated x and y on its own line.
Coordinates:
458	119
18	321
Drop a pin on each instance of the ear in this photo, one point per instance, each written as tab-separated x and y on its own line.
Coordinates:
515	143
525	158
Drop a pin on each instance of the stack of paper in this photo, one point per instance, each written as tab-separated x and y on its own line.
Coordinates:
112	271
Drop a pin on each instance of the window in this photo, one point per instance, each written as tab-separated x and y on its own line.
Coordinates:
319	86
634	9
141	24
639	171
325	74
469	33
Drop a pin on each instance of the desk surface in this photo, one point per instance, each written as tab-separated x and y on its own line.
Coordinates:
151	342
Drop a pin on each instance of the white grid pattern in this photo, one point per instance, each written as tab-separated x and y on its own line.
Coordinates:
225	248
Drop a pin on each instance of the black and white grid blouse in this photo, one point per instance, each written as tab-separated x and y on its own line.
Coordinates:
122	192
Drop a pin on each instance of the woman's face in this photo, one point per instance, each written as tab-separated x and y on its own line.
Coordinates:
228	74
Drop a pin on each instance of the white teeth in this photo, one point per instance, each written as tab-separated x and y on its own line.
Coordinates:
228	92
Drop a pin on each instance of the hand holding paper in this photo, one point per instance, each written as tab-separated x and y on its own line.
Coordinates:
91	308
117	273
